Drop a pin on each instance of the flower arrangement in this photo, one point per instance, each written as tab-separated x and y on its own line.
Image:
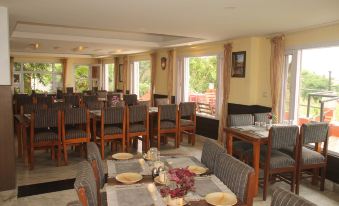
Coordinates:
184	182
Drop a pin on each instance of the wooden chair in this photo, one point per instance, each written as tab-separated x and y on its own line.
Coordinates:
60	106
138	125
95	105
88	98
161	101
210	152
94	158
130	99
112	127
45	132
69	90
75	128
73	100
187	122
167	123
282	197
44	99
276	162
21	99
101	94
237	176
316	159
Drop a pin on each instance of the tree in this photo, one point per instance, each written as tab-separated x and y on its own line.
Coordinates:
144	77
203	70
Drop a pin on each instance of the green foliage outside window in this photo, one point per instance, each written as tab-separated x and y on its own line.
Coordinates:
144	77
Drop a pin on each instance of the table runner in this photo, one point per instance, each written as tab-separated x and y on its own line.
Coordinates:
138	194
182	162
135	165
259	131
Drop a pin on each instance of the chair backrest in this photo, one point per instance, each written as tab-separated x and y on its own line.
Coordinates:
69	90
102	94
236	175
95	105
187	109
261	117
85	185
314	132
29	108
44	99
130	99
113	96
283	136
74	100
137	113
167	112
75	116
93	155
22	99
60	106
113	115
240	120
161	101
282	197
210	152
44	118
89	98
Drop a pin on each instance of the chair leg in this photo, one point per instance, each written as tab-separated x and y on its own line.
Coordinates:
193	137
265	186
124	144
59	155
294	177
147	143
315	176
102	149
159	139
65	154
297	184
177	140
323	174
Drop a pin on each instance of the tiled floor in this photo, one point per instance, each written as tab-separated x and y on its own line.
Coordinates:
46	171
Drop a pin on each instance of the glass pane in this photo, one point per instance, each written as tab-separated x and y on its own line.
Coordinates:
144	80
203	83
28	83
58	67
58	81
43	83
81	85
81	78
37	67
109	75
17	67
287	95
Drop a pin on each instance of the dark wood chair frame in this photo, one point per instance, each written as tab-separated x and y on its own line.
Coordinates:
189	130
94	166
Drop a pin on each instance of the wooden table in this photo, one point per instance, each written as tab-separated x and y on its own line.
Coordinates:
249	137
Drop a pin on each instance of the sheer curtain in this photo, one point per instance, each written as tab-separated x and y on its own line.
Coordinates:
125	67
277	64
64	73
170	74
153	75
226	78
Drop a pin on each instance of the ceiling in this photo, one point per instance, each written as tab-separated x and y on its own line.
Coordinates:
109	27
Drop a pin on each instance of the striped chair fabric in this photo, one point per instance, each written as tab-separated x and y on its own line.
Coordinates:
45	118
45	136
186	122
137	113
85	179
130	99
284	136
72	100
210	152
60	106
261	117
308	156
168	112
116	103
234	174
282	197
44	99
114	115
314	132
187	109
102	94
110	129
240	120
23	99
161	101
69	90
164	124
29	108
278	159
137	127
89	98
95	105
75	116
75	133
94	154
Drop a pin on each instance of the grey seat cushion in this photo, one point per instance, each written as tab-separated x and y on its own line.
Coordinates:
186	122
45	137
282	197
308	156
137	127
278	158
165	124
75	133
110	129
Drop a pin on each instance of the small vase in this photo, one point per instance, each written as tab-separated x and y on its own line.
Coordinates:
177	201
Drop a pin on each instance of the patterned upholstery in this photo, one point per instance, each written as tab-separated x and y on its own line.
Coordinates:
46	118
167	124
278	158
46	136
137	113
314	132
240	120
75	116
113	96
89	98
115	103
210	151
75	133
72	100
187	109
114	115
130	99
43	99
110	129
69	90
168	112
161	101
85	179
61	106
234	174
186	122
137	127
29	108
22	99
95	105
94	154
282	197
261	117
308	156
102	94
284	136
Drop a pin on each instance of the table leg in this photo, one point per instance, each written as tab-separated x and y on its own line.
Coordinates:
256	157
24	145
19	136
229	143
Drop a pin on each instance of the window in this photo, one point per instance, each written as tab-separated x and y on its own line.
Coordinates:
41	77
82	78
200	83
109	77
141	79
312	78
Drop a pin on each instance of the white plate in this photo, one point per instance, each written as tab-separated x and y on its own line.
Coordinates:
122	156
221	199
197	169
128	178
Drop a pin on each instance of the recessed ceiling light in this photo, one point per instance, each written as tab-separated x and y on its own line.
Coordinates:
119	50
80	48
35	45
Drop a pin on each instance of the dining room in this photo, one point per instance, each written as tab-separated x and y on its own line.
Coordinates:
155	112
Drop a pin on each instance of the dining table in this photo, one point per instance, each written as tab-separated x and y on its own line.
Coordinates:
255	135
146	192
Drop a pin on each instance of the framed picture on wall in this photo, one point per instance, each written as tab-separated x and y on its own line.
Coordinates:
121	70
238	64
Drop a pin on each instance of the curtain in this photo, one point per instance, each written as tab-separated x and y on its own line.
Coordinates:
101	85
277	64
116	72
226	78
64	73
170	64
153	75
125	67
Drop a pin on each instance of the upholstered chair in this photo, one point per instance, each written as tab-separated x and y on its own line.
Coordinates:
130	99
261	117
187	120
282	197
210	152
73	100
